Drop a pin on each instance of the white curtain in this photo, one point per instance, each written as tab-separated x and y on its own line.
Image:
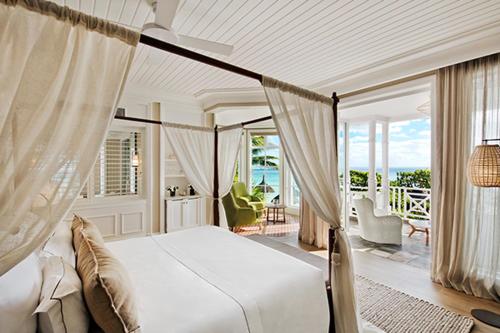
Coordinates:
229	147
61	74
313	230
305	123
194	148
466	223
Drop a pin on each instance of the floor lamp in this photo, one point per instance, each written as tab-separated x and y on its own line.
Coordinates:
483	170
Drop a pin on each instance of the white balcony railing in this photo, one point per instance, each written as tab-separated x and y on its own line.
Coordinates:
407	202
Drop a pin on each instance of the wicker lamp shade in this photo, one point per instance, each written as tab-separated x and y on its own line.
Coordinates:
483	169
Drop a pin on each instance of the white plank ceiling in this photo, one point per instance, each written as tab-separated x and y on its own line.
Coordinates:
300	41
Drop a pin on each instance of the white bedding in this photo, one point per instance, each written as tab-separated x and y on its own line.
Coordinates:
208	279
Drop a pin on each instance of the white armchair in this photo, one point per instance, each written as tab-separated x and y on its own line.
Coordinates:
384	229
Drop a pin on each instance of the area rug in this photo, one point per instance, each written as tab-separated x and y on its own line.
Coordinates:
388	309
397	312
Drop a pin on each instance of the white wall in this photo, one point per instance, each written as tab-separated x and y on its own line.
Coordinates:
122	217
232	116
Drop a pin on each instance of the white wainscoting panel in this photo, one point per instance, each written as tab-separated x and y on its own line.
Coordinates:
116	218
132	223
107	224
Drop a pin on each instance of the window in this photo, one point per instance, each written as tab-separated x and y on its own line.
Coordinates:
118	169
265	170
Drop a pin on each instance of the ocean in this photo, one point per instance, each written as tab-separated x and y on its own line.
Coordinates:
272	176
393	172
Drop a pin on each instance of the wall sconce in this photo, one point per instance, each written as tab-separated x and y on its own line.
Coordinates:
135	160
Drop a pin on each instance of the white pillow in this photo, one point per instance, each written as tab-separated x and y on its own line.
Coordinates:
61	243
62	308
19	293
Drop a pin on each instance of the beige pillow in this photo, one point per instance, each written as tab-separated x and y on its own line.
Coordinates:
62	308
107	288
81	226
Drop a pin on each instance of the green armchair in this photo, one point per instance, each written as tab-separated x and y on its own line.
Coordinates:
244	199
236	215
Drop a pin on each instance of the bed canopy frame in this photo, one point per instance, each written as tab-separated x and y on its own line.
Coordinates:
171	48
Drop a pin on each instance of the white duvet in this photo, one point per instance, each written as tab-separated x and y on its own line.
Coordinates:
208	279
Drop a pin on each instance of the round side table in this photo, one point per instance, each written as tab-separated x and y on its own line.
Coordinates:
275	213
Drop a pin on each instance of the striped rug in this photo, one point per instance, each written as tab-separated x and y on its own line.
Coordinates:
397	312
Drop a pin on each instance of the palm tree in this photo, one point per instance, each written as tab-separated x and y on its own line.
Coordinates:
258	154
266	161
257	140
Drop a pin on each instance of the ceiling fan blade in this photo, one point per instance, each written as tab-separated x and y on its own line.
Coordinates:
204	44
165	11
157	31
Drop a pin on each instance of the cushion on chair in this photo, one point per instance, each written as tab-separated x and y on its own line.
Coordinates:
240	190
240	193
257	205
236	215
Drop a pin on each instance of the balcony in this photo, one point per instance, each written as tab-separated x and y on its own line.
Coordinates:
407	202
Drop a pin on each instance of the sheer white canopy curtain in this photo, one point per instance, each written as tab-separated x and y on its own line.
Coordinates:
466	222
61	74
312	230
194	148
305	123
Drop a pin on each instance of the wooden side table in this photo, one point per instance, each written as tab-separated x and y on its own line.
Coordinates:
273	213
420	226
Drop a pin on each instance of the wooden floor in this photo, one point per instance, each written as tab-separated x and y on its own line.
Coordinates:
410	280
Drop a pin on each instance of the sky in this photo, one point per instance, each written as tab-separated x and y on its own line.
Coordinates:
409	144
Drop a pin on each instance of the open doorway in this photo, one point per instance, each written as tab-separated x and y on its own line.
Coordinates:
385	160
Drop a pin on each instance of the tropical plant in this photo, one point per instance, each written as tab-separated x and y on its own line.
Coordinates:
257	141
266	161
419	178
258	193
236	172
259	157
360	178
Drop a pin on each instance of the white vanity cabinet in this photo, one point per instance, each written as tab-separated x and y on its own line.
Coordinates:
184	212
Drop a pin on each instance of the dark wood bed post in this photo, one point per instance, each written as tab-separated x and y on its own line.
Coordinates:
331	231
216	176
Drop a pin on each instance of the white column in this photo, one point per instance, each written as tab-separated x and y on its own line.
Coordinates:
372	178
347	179
385	165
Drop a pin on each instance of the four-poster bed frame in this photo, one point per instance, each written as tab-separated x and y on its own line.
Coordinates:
171	48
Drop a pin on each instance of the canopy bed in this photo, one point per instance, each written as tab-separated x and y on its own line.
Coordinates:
43	171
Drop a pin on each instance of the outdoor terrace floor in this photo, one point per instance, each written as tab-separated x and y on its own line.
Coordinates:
413	251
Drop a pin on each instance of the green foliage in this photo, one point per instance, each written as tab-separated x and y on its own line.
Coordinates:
258	193
257	140
266	161
257	157
236	177
419	178
360	178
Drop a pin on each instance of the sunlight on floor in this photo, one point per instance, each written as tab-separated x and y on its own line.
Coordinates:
413	252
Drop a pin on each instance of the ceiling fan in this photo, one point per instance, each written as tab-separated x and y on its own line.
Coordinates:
161	29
